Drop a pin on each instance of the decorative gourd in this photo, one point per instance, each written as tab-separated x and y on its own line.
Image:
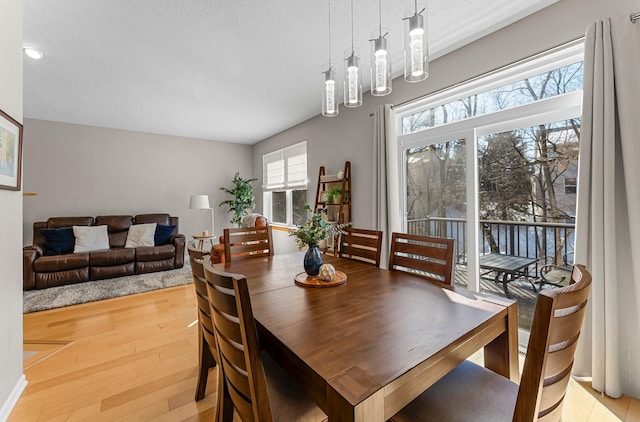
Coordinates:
327	271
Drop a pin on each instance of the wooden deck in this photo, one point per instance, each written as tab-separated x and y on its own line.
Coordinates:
519	290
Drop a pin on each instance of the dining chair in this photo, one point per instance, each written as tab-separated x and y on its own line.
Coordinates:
471	392
361	245
250	242
206	339
252	382
428	257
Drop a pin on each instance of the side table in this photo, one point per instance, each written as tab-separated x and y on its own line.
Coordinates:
202	237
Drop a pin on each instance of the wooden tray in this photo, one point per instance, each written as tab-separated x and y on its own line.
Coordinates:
305	280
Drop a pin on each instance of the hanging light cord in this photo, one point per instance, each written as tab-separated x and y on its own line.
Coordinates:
351	26
380	13
329	1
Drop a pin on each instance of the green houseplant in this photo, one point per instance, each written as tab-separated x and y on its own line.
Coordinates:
333	195
243	198
309	234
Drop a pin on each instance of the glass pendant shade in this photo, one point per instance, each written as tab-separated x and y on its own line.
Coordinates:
352	79
329	92
416	48
380	64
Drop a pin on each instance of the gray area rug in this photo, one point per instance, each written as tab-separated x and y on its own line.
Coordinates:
91	291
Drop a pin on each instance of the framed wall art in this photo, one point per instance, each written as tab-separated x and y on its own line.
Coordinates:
10	152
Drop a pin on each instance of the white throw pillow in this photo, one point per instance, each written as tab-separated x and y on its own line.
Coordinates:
90	238
141	235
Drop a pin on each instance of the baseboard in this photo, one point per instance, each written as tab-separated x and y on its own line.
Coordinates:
11	401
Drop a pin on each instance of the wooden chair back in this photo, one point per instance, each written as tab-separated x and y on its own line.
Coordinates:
251	242
237	339
557	322
361	245
206	339
428	257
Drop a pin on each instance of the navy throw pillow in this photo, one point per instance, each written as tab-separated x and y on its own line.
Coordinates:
163	234
58	241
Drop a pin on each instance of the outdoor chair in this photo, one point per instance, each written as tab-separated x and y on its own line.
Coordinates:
250	381
428	257
472	393
557	275
361	245
206	340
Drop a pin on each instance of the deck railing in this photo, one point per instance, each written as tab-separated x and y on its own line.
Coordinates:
549	243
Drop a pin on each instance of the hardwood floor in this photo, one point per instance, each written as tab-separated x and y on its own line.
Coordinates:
135	358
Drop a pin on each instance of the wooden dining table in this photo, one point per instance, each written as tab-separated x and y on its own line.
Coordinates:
366	348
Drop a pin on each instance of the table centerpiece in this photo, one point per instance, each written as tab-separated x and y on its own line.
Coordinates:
309	234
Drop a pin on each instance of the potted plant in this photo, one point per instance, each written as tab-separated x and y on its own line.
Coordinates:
309	234
333	195
243	198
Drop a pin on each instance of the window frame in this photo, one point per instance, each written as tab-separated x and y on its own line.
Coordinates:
559	107
287	186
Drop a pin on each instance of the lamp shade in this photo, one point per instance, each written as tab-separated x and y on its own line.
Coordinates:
199	202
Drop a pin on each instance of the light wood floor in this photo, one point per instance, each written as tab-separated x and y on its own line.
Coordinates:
135	359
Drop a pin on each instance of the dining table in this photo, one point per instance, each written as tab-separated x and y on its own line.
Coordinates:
364	349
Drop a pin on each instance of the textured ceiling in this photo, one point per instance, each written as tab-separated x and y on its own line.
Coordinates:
233	71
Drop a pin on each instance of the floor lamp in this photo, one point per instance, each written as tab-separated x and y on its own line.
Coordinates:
201	202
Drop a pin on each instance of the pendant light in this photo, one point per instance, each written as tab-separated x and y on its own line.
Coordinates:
416	49
352	76
380	62
329	86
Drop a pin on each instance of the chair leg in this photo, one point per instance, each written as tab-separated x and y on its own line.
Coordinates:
206	362
224	406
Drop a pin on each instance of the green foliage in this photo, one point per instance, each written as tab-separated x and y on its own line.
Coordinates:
314	230
243	198
333	194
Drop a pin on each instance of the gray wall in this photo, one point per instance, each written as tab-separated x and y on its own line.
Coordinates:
11	378
349	136
82	170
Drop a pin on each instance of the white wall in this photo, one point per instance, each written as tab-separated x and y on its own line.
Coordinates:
79	170
11	378
349	136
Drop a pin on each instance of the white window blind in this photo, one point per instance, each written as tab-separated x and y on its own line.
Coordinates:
273	170
285	168
295	158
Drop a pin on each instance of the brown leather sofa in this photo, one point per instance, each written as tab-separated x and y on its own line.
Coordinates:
42	271
217	251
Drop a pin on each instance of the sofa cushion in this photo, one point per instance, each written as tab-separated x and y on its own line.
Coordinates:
91	238
112	257
163	234
153	218
141	235
48	264
117	226
55	222
58	241
155	253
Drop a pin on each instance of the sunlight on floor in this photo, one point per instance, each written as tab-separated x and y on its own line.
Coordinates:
35	351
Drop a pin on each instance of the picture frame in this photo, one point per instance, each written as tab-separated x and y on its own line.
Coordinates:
10	152
324	196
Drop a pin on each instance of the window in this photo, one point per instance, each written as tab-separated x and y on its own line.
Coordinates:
492	163
284	174
570	185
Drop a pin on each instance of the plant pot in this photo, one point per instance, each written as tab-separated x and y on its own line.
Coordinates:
312	260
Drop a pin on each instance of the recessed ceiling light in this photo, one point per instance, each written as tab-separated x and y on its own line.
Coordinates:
33	53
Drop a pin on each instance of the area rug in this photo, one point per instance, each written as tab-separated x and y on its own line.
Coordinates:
91	291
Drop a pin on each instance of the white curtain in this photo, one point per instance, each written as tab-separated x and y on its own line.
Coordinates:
386	179
608	210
